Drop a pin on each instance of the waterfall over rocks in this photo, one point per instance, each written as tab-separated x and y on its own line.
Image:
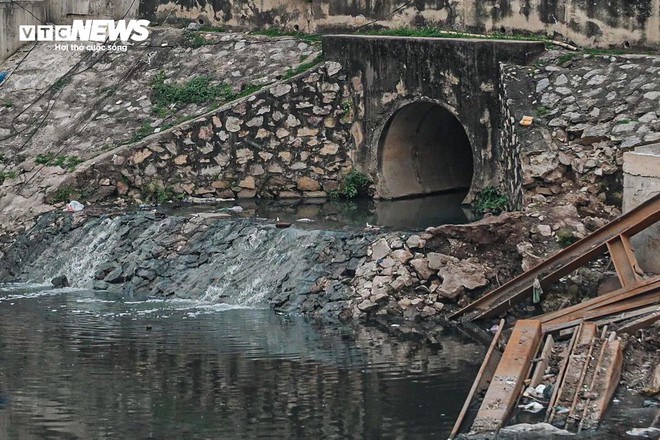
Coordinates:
234	261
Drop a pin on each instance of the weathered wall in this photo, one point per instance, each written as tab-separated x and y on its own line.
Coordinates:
11	17
594	23
34	12
460	75
63	11
291	139
641	181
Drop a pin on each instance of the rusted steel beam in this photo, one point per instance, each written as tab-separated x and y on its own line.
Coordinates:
641	323
559	383
624	261
577	359
618	295
484	377
542	364
509	377
579	385
563	262
594	378
608	379
612	309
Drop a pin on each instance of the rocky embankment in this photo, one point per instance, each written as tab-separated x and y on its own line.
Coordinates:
410	279
204	256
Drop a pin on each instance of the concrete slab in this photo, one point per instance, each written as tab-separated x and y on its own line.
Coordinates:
641	181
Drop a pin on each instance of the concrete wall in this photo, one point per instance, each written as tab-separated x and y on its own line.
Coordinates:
641	181
11	17
600	23
63	11
462	76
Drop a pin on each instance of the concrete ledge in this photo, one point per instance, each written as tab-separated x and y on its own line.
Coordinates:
641	181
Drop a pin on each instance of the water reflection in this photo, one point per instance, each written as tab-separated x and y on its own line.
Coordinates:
79	365
417	213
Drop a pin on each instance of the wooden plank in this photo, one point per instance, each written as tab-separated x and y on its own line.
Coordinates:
624	260
486	371
563	262
509	377
641	323
571	312
542	364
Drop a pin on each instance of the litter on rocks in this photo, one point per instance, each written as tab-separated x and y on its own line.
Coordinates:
74	206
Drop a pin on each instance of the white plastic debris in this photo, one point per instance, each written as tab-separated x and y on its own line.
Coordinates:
649	432
532	407
74	206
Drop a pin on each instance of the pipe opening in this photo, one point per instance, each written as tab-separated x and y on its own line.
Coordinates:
424	150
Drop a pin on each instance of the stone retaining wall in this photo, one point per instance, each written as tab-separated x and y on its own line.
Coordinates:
291	139
588	110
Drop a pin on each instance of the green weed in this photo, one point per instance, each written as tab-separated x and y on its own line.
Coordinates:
157	194
66	162
194	40
490	200
352	185
62	194
198	90
542	111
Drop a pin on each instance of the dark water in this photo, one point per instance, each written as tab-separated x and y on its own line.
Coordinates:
86	365
417	213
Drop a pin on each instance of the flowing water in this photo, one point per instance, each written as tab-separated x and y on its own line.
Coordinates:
79	364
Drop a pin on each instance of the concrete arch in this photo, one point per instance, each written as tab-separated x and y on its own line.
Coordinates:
423	149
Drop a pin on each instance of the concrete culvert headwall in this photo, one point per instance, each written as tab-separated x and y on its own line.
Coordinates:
423	149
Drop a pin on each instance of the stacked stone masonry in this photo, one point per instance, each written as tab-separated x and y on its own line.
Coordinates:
289	140
588	111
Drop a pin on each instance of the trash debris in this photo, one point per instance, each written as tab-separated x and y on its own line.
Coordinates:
649	432
3	76
305	220
535	393
537	428
526	121
74	206
537	291
532	407
236	209
651	403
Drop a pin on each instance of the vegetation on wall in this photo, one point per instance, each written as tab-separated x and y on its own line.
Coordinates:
353	184
490	199
66	162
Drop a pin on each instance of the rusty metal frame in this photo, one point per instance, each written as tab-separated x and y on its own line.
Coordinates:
614	237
